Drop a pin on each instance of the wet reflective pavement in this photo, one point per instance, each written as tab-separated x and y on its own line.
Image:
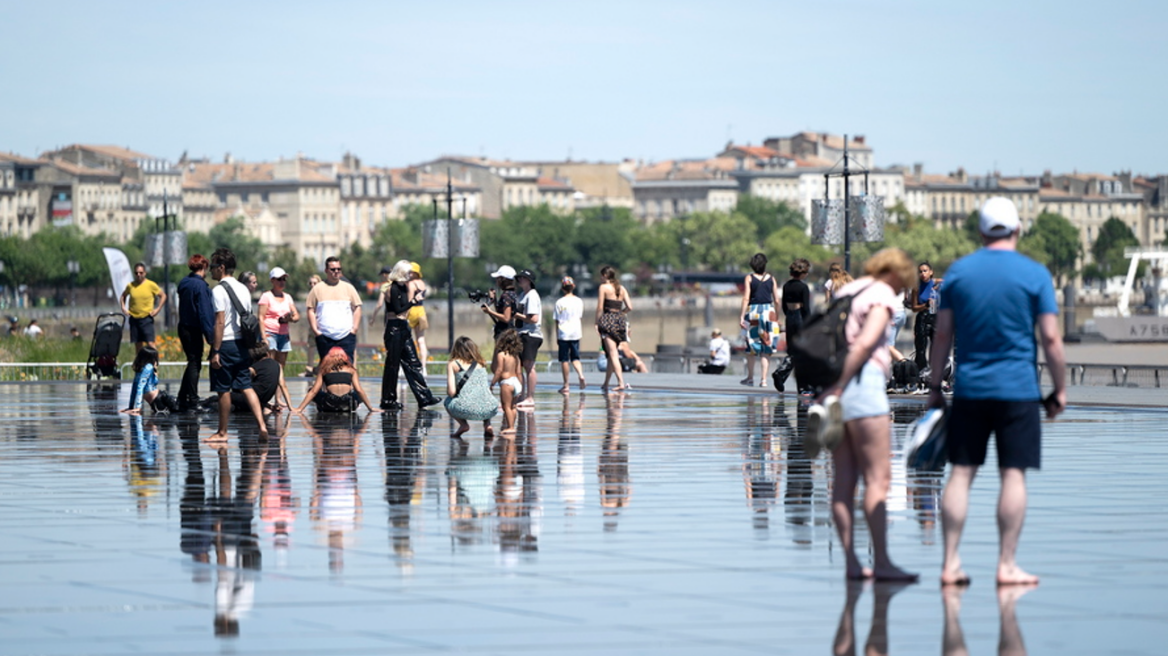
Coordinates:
657	522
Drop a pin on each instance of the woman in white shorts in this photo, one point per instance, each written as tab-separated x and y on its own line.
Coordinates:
865	448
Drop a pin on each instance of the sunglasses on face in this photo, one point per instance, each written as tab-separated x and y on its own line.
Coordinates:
284	279
335	269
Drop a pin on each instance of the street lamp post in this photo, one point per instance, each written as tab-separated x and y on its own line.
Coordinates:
164	245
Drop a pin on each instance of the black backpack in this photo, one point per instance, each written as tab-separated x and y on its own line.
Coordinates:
251	333
820	347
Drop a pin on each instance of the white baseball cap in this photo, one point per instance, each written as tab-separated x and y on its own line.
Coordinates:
504	272
277	273
998	217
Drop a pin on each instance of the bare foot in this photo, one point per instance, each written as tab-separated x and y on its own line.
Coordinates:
526	403
1008	594
952	574
958	578
1014	575
508	431
894	573
582	385
488	432
859	574
461	429
215	438
565	389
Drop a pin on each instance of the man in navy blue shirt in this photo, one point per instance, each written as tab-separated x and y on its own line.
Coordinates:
196	323
993	300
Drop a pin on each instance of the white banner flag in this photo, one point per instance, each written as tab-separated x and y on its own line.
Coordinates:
120	272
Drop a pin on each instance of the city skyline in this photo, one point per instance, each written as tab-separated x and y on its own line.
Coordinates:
1018	89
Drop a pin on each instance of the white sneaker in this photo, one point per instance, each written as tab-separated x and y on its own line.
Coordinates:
813	436
833	428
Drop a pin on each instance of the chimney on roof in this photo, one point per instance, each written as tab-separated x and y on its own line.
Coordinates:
918	169
859	139
961	175
228	159
1047	180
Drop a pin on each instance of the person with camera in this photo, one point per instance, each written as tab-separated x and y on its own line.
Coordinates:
502	303
277	310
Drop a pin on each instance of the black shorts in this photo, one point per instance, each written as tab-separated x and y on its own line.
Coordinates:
1016	426
569	350
531	344
142	330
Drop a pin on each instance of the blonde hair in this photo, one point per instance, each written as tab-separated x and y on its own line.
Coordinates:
839	277
400	272
894	261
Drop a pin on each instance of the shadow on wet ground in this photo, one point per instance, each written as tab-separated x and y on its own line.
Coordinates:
657	522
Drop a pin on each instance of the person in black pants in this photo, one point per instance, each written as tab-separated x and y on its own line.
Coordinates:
796	297
196	323
924	302
399	344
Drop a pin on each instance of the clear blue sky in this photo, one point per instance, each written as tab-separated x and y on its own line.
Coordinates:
1023	85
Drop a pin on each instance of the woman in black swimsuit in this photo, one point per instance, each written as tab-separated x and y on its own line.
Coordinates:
612	304
337	387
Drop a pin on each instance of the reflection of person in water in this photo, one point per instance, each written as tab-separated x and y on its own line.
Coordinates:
194	512
470	482
761	467
237	546
143	466
797	499
404	479
336	498
845	635
278	506
616	489
1009	633
517	490
570	458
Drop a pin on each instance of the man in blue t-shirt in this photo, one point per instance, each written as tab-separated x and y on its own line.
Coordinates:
993	300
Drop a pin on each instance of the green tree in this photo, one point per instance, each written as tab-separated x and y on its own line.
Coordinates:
768	216
715	241
790	243
1057	240
531	237
1114	237
605	236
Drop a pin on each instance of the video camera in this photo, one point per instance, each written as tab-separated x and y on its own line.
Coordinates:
478	296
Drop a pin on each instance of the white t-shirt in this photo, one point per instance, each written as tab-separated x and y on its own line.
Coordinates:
569	313
530	304
222	303
720	349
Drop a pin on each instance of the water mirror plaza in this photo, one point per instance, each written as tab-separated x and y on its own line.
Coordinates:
682	518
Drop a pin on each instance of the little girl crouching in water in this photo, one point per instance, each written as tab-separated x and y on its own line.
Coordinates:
468	390
145	388
507	351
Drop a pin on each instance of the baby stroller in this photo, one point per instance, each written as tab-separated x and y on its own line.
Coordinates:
107	341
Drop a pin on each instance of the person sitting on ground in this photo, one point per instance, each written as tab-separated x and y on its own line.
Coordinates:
719	354
145	387
508	349
337	387
469	399
629	361
267	379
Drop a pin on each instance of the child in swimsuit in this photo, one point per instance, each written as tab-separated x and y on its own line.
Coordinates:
507	352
